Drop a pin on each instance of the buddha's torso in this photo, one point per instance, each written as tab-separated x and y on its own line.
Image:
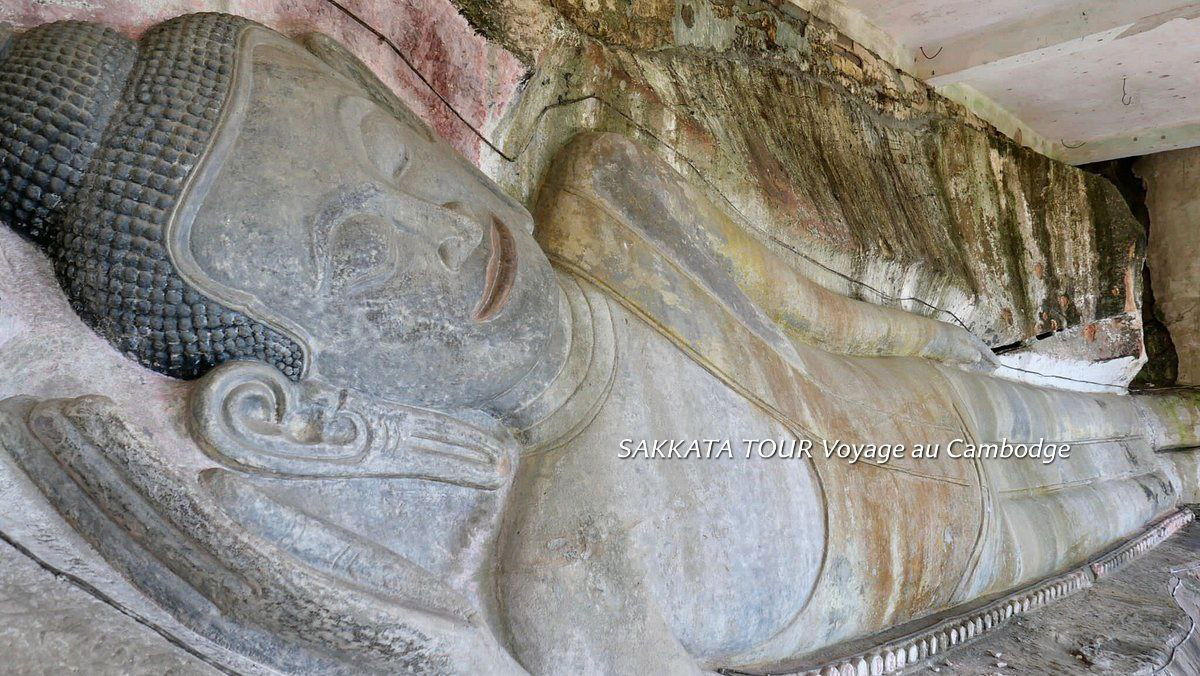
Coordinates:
798	553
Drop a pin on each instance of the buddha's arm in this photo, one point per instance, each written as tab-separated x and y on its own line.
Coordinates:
811	314
590	211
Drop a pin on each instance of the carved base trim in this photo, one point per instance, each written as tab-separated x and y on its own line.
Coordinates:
895	656
1142	544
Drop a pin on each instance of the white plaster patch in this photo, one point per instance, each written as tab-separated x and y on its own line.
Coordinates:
1078	375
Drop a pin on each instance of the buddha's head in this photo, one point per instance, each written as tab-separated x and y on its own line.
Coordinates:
227	193
222	203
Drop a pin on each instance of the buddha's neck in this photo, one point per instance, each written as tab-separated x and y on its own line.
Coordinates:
572	377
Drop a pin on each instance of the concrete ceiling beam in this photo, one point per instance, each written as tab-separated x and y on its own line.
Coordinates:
1073	29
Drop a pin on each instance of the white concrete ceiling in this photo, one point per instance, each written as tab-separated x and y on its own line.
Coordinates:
1094	79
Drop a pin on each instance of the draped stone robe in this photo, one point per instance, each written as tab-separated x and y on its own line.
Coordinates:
688	328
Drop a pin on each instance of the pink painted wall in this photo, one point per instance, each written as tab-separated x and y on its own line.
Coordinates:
479	78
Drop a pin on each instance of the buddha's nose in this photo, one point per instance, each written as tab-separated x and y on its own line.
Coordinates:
466	232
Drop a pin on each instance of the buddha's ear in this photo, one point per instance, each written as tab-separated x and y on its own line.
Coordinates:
249	415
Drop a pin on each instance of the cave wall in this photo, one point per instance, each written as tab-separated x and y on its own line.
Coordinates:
1173	200
866	179
474	76
877	186
1161	365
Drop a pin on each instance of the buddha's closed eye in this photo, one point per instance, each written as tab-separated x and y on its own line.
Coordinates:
384	146
376	137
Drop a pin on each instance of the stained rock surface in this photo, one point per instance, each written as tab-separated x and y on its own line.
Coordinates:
857	175
868	181
1174	258
876	186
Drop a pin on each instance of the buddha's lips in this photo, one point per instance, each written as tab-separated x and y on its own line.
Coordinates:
501	273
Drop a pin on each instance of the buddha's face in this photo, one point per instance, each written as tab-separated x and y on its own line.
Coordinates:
404	272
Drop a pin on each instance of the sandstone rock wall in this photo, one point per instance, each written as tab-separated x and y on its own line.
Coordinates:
878	187
474	76
1173	198
871	183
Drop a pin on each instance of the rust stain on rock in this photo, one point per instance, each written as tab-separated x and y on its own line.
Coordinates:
772	177
821	146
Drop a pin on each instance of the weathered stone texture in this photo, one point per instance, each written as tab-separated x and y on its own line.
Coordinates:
441	491
1174	253
1139	621
476	76
871	180
51	626
877	187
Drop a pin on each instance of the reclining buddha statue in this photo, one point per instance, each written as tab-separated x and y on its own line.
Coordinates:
323	393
